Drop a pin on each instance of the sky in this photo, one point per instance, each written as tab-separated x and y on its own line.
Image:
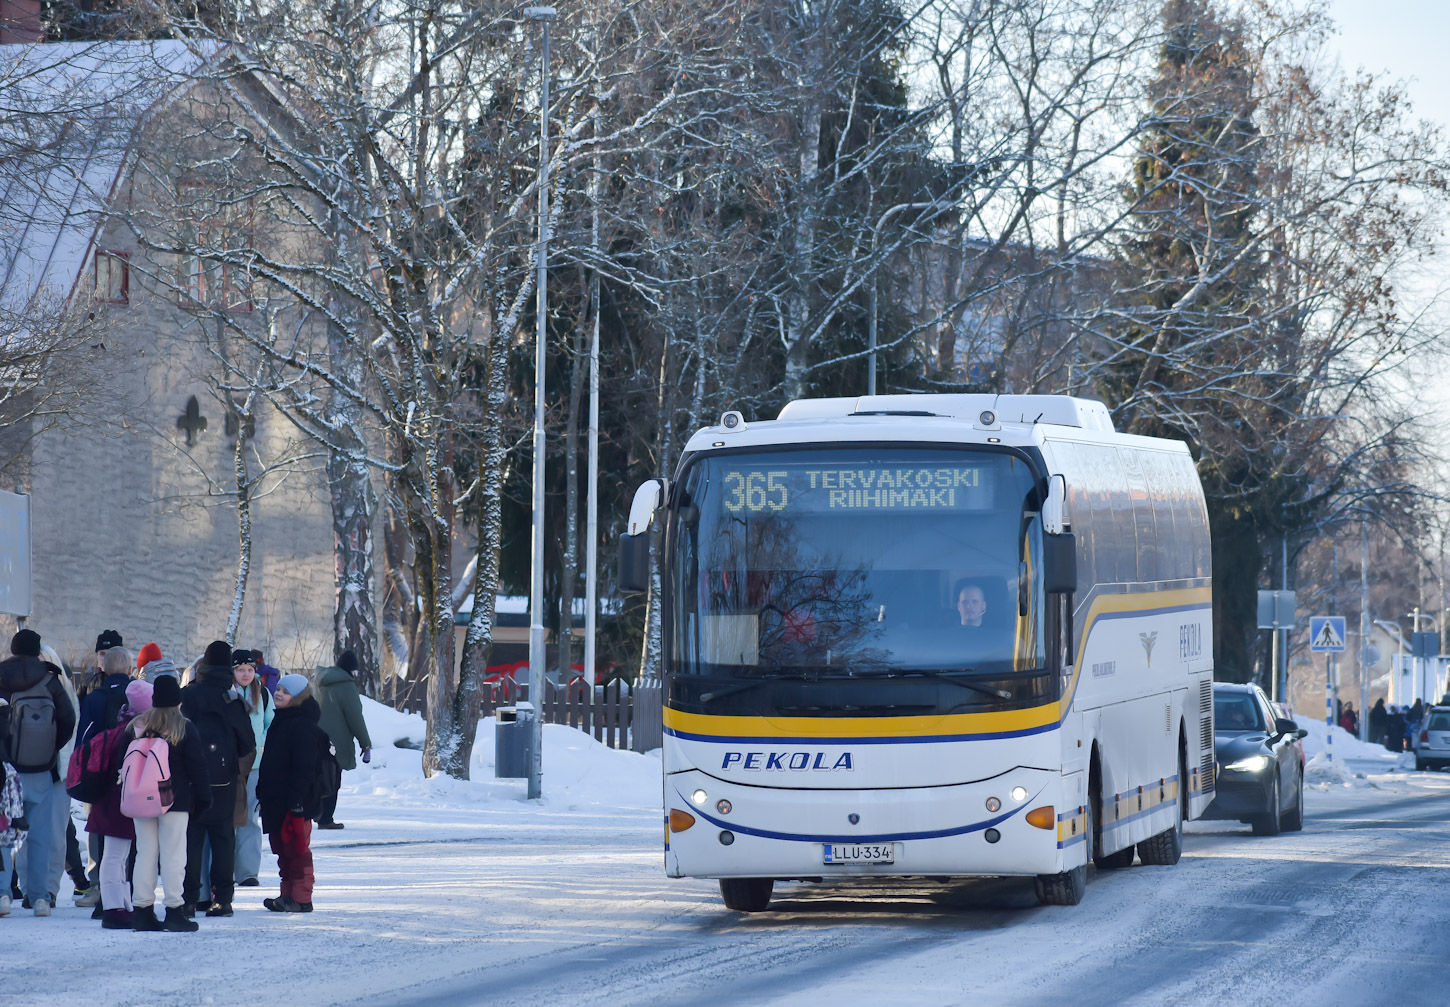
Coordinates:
1406	38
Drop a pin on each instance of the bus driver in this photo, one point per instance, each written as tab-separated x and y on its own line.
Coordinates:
971	605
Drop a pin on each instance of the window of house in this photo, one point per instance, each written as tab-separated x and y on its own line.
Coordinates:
216	277
113	277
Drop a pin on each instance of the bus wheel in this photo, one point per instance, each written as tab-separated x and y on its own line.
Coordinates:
746	895
1164	849
1067	888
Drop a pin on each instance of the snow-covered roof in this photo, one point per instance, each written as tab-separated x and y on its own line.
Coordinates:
68	114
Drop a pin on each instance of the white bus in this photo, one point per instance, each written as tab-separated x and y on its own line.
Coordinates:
929	635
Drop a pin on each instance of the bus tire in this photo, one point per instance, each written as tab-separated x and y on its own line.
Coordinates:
746	895
1267	824
1068	888
1164	849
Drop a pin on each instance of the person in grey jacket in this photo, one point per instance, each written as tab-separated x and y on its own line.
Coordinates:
342	719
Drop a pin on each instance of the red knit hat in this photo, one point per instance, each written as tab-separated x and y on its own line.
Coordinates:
150	652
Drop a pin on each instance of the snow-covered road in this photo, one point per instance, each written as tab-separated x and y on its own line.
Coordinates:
442	892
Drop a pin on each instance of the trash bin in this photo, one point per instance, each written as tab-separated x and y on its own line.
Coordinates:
513	741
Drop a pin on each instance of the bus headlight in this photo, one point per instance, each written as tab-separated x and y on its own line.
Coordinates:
1019	794
700	797
723	806
993	804
1253	764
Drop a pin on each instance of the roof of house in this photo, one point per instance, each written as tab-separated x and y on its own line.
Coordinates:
68	114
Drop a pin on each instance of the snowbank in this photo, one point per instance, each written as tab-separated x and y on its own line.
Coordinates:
579	773
1322	773
1346	745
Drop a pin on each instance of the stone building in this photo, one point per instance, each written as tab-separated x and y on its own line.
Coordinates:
134	522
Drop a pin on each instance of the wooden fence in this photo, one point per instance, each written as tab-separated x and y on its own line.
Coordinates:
618	716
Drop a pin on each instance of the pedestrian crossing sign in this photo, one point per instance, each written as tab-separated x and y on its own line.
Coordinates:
1326	633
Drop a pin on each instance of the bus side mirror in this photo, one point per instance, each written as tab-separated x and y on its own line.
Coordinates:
1059	563
633	575
633	572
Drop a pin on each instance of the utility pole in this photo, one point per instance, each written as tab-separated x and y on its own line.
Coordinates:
1365	625
543	15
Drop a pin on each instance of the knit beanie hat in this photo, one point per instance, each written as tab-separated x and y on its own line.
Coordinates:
166	692
218	654
158	669
26	643
347	661
110	638
138	696
294	683
241	657
150	652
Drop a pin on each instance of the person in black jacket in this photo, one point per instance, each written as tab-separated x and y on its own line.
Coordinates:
286	791
162	841
35	743
214	704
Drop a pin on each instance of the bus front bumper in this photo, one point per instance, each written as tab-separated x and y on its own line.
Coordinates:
780	832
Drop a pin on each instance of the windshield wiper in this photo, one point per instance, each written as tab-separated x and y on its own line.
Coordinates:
756	683
944	673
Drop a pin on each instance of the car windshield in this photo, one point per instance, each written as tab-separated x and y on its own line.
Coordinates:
1237	711
839	565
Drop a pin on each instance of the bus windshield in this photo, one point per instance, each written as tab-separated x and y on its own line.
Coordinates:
857	581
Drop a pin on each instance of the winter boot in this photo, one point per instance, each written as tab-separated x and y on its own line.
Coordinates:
248	883
119	919
177	922
144	918
287	904
4	905
220	909
88	897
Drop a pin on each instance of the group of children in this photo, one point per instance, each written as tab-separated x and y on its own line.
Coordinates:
170	774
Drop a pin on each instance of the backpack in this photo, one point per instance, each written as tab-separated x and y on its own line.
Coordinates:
91	771
32	728
115	699
146	778
218	748
327	776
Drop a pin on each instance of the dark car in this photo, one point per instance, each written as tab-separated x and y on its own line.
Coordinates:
1260	778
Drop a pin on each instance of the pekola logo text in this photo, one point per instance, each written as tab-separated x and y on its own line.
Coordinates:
793	762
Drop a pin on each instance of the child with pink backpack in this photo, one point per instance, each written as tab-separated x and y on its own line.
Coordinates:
163	783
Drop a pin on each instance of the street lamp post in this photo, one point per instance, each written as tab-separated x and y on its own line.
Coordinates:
543	15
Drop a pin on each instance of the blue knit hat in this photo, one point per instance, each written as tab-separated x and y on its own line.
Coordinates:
294	683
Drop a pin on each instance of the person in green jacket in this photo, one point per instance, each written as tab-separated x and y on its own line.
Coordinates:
342	719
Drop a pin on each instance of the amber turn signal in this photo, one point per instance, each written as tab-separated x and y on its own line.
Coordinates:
1044	817
680	820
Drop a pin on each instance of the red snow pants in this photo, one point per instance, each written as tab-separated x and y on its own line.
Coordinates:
294	857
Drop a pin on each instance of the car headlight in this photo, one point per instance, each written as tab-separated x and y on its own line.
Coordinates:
1253	764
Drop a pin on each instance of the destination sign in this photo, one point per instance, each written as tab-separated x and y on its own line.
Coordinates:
818	488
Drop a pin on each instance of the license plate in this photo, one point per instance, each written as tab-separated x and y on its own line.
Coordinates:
860	853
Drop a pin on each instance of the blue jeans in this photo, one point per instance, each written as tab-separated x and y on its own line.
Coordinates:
249	837
46	807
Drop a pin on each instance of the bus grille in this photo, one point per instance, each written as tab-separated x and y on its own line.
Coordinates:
1205	733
